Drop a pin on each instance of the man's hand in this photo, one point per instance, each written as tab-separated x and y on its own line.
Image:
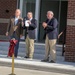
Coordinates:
6	33
60	35
29	22
44	24
22	24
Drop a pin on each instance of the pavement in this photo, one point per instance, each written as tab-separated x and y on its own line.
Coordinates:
19	71
39	52
22	63
35	66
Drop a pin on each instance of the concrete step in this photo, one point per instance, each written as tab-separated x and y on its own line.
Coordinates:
23	51
24	48
37	55
39	52
40	46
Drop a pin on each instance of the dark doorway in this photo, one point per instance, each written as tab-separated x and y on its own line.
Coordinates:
63	21
60	10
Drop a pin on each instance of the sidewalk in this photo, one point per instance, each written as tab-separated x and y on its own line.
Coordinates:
18	71
59	66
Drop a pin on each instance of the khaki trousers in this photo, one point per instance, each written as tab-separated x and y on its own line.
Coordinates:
29	47
50	48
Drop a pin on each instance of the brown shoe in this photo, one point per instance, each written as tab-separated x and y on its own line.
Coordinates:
51	61
26	57
45	60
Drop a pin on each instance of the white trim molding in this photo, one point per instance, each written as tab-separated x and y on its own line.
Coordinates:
37	12
3	20
21	6
71	22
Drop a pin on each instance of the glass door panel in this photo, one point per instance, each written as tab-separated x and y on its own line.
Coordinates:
28	5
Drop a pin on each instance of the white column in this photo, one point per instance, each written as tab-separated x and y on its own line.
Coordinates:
21	6
37	12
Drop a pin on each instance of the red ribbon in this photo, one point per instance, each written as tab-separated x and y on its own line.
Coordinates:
11	47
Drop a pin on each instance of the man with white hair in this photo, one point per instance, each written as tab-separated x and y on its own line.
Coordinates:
50	27
14	29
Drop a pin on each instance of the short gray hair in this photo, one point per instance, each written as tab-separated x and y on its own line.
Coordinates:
51	12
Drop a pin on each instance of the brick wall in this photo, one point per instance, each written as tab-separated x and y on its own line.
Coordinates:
70	34
7	5
71	9
7	9
3	28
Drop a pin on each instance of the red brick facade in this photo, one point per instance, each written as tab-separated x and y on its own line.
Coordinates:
71	9
70	34
7	5
3	27
7	9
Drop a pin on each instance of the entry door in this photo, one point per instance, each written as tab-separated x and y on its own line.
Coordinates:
47	5
60	12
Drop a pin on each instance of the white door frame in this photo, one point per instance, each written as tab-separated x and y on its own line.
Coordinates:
21	6
37	12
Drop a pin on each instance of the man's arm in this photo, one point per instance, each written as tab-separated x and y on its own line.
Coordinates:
21	31
55	23
21	28
34	24
23	23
